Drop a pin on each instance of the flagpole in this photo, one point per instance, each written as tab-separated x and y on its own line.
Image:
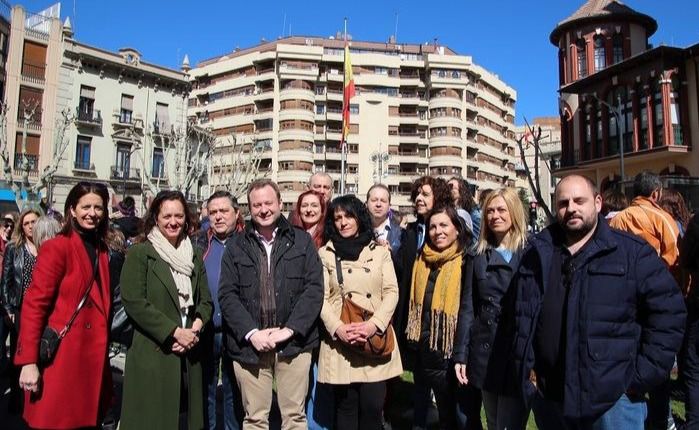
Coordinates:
343	144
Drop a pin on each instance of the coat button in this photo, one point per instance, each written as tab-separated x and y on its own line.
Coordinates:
486	345
368	295
349	295
349	270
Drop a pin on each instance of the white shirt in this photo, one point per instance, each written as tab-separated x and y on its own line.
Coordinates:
382	230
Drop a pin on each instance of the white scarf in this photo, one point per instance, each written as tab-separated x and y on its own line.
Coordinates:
181	265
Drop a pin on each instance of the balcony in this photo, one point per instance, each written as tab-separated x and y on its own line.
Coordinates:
34	73
83	168
127	119
90	118
32	164
119	173
161	128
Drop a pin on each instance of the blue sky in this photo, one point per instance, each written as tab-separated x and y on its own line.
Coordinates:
508	37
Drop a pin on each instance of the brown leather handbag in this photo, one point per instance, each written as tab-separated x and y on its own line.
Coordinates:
378	346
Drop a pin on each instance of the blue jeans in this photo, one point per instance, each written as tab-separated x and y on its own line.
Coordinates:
626	414
504	412
321	403
232	407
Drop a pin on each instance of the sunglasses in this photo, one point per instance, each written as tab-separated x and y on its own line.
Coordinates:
8	224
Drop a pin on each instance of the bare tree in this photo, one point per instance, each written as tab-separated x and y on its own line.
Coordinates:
236	164
23	189
534	182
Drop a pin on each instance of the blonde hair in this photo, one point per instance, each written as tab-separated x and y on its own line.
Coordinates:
18	237
516	237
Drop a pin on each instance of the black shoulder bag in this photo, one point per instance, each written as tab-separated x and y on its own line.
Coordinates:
50	338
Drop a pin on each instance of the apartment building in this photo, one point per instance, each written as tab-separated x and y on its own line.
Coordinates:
123	110
418	110
619	94
548	153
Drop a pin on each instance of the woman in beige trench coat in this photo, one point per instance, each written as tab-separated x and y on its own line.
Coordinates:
359	382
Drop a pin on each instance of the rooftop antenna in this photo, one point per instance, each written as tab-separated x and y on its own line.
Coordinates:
284	25
395	33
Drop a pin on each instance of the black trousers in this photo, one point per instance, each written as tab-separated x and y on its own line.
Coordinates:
458	406
359	406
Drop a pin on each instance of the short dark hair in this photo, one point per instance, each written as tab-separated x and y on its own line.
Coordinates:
613	201
223	194
151	217
440	190
464	236
379	186
128	202
261	183
645	183
74	195
354	208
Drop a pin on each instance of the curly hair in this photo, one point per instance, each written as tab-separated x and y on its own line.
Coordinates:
440	191
354	208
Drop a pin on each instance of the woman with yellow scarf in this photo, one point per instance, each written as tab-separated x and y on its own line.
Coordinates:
438	298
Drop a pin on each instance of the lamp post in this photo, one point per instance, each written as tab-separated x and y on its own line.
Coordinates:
616	111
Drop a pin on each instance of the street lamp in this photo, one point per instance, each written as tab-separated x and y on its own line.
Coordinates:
616	111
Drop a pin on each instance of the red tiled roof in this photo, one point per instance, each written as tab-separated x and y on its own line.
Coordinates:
595	10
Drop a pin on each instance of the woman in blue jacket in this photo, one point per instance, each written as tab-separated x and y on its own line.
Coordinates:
482	351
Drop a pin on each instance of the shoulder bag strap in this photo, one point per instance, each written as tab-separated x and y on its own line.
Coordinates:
338	269
63	332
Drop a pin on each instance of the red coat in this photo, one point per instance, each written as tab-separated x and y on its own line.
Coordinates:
76	388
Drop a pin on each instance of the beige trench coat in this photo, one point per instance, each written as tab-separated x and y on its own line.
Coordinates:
372	281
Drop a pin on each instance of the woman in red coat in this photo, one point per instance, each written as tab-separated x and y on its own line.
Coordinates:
74	390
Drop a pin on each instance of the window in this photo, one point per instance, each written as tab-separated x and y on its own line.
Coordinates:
123	160
162	118
126	114
87	103
675	111
618	48
600	54
582	58
320	90
82	153
658	120
30	98
158	168
643	141
380	70
320	108
354	109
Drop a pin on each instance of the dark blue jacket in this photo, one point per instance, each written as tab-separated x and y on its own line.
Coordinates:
625	319
486	345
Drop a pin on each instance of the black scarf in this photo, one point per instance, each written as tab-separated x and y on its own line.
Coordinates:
349	248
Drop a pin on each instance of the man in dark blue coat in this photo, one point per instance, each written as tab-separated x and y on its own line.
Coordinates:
599	318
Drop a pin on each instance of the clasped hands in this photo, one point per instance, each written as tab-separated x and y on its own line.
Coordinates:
268	339
356	333
186	338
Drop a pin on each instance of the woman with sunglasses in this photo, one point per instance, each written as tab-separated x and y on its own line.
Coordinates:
73	390
18	265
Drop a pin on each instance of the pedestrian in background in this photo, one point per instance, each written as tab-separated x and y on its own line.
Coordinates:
164	291
18	267
74	390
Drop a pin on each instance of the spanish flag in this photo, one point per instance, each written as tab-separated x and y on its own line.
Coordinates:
348	93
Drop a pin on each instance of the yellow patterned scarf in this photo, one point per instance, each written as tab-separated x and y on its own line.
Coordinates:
445	298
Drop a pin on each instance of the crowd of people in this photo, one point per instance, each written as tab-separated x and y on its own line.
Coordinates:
323	312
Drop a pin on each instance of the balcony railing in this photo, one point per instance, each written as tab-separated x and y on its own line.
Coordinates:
91	117
119	172
32	161
35	73
83	165
677	133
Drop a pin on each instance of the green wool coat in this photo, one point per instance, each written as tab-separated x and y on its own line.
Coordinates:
153	375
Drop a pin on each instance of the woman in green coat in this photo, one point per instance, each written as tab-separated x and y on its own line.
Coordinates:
164	291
